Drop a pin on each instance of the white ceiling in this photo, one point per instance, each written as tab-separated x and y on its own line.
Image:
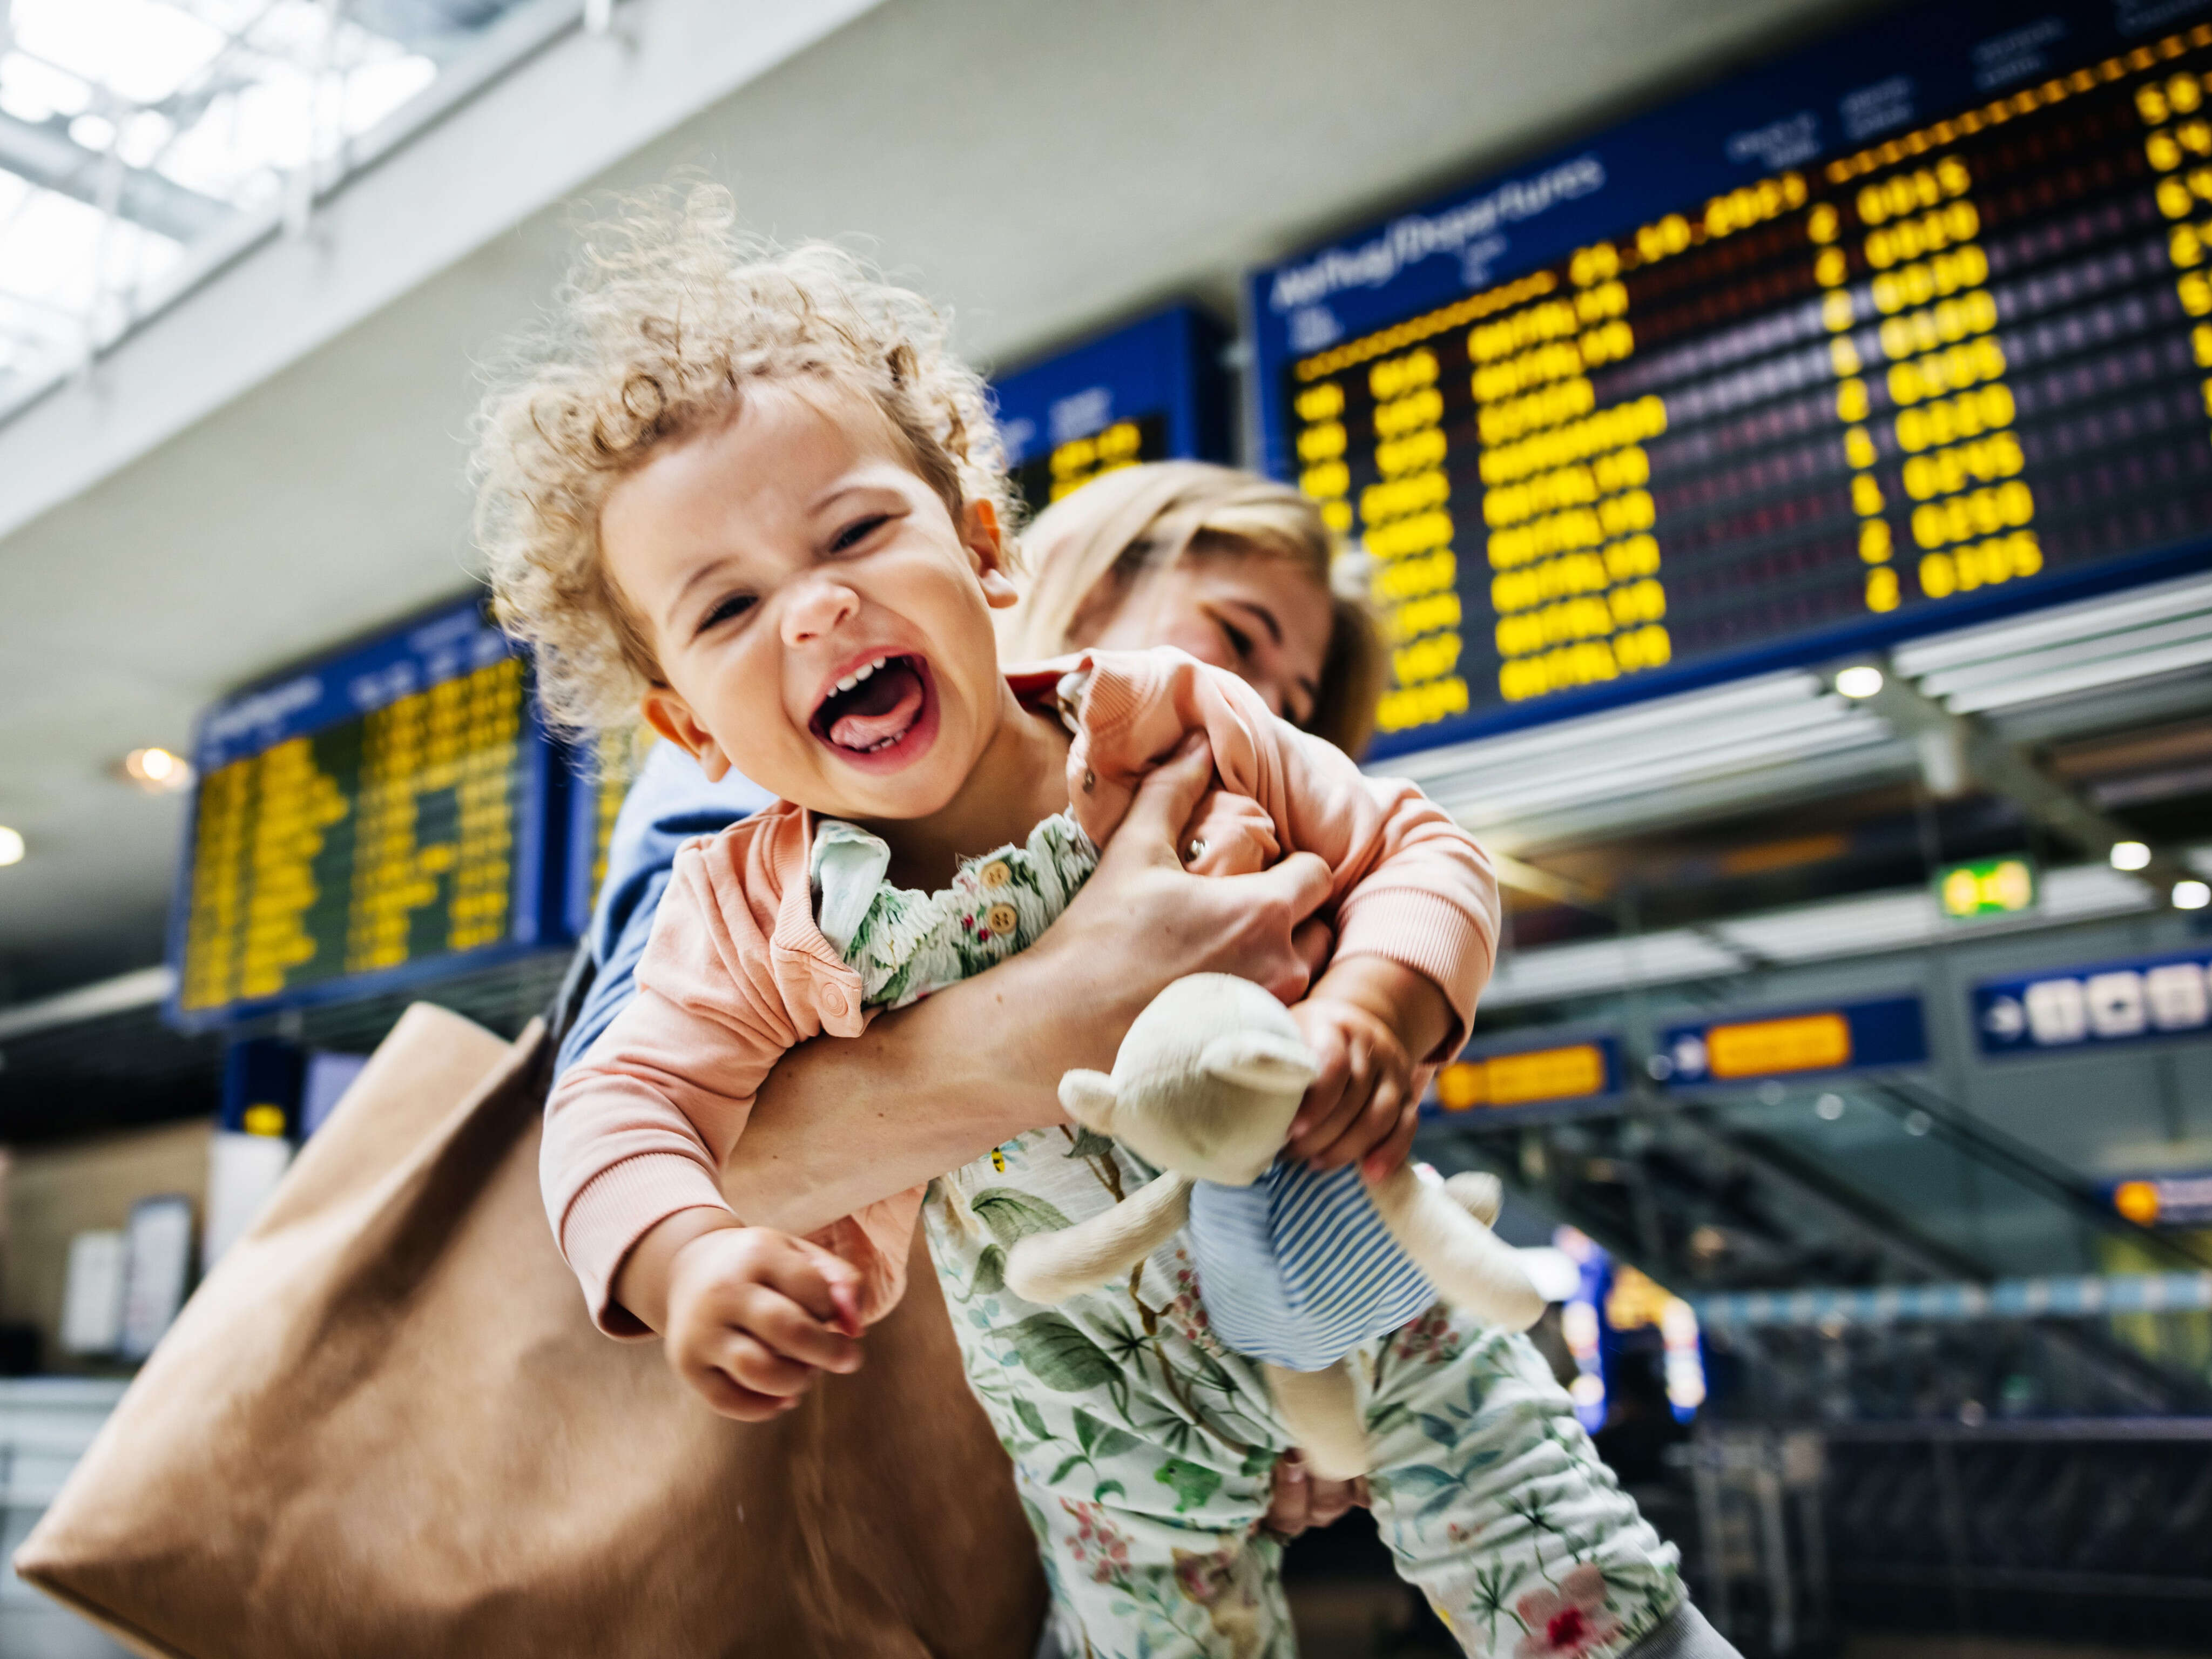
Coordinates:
1041	168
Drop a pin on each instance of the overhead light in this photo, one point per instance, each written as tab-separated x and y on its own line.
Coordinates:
2130	856
11	845
2191	895
1859	681
157	770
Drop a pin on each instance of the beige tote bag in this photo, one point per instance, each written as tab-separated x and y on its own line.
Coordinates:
385	1425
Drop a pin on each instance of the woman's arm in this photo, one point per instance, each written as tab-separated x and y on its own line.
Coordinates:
843	1123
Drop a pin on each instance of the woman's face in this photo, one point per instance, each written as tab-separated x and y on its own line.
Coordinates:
1259	617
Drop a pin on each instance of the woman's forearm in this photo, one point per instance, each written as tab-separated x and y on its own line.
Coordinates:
842	1123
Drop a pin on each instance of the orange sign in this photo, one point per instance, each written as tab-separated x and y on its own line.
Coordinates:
1522	1080
1803	1042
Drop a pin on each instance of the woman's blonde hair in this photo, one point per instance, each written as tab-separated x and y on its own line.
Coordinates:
669	313
1089	552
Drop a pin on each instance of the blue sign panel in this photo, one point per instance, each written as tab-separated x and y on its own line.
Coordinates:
1893	335
1753	1048
383	815
1152	391
2066	1010
1516	1079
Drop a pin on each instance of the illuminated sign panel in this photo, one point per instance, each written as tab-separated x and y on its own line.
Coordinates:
2165	1201
1752	1047
1986	887
1152	391
2064	1009
362	820
1904	330
1584	1069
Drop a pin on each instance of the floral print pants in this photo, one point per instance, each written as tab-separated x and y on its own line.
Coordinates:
1144	1448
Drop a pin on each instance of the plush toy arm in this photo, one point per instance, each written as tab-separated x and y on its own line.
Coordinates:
1471	1266
1049	1268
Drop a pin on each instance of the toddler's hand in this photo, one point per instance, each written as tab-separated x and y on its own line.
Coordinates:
755	1315
1362	1108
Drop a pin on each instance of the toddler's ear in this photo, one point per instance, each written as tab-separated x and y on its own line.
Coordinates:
1258	1059
986	545
666	713
1087	1097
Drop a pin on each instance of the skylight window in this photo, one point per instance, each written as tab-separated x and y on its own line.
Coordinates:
144	141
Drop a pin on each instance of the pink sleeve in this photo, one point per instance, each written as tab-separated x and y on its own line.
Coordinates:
1410	885
638	1130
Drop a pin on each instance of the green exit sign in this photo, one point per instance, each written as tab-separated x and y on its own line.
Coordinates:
1987	887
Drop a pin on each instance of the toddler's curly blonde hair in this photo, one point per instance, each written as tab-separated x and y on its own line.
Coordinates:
668	314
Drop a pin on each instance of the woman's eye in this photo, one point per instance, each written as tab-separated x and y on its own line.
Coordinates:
736	606
1239	641
858	532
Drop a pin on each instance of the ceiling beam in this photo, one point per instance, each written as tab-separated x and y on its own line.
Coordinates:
44	153
1959	748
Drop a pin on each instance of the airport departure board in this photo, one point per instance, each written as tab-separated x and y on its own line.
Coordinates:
379	815
1153	391
1908	329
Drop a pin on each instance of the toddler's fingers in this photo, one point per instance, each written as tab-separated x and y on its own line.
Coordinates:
1319	1143
820	1281
1397	1149
726	1397
1337	1141
784	1328
752	1364
1378	1120
1311	1126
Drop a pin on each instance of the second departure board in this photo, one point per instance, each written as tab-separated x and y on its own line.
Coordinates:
380	815
1905	331
1152	390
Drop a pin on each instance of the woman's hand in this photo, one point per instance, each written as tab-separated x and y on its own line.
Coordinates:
1142	920
1300	1499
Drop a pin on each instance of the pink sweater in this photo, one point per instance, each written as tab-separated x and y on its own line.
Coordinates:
737	972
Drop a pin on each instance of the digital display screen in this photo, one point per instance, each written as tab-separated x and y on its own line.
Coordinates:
1743	383
381	813
1153	391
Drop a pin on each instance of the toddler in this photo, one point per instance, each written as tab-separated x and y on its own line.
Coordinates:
753	498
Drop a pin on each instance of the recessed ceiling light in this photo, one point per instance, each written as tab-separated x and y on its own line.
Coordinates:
157	770
1861	680
2129	855
2191	895
11	845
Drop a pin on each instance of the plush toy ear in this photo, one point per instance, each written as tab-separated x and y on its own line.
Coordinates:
1088	1098
1258	1059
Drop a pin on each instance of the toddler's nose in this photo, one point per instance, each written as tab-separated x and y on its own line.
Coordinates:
819	605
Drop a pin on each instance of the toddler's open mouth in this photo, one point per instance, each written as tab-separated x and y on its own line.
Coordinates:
878	710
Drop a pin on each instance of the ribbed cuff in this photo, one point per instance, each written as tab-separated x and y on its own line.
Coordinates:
618	1207
1683	1634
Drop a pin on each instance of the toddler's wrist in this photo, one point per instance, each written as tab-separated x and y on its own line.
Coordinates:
646	1278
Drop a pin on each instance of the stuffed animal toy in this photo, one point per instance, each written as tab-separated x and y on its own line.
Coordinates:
1204	1088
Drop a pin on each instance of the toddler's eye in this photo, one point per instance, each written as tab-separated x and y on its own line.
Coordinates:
858	532
736	606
